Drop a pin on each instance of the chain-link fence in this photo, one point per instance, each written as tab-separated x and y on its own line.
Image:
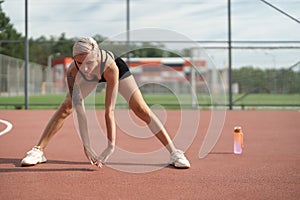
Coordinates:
200	79
12	74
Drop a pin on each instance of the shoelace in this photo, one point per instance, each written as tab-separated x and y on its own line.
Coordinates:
178	155
34	152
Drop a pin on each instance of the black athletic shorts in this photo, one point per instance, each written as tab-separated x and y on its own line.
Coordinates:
123	70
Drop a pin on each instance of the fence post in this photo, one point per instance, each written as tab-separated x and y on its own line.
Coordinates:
229	56
26	56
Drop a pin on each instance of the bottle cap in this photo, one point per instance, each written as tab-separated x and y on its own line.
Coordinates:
237	129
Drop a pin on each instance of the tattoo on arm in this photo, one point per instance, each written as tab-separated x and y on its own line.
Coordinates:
70	80
74	90
77	96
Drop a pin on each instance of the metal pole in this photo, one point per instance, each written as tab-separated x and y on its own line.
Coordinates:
194	56
26	56
229	57
127	30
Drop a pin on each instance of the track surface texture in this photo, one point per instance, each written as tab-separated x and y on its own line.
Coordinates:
269	167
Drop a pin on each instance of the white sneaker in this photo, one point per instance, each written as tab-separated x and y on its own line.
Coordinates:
178	160
33	157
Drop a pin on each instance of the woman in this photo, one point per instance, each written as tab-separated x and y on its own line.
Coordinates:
92	65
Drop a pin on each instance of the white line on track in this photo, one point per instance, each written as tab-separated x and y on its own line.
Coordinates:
8	127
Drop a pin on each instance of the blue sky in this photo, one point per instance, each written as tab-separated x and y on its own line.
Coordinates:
193	19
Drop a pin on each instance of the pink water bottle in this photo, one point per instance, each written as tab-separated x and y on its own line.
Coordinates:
238	141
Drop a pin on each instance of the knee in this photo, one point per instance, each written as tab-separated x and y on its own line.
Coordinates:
66	108
143	112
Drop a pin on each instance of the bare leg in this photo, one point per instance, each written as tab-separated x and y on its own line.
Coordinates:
130	91
56	122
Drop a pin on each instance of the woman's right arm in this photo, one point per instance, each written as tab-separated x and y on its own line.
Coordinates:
78	104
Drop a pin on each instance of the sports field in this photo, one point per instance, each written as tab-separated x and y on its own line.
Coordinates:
269	167
169	101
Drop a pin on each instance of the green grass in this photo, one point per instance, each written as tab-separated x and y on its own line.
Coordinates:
46	101
168	101
271	99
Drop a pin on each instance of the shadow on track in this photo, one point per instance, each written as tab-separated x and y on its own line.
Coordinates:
18	168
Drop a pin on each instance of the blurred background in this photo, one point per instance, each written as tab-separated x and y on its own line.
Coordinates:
238	54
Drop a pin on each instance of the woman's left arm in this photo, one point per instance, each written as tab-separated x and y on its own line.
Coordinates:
111	74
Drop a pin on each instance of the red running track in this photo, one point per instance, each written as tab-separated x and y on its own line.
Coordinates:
269	167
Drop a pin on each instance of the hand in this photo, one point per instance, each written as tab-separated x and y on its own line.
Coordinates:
107	153
92	157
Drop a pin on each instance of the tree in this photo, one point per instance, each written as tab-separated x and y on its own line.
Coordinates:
63	46
11	42
42	48
39	49
254	80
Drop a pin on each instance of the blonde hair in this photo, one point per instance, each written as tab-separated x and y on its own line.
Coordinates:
84	45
